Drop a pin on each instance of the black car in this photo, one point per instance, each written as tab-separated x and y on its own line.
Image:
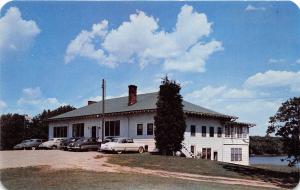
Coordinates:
84	144
65	143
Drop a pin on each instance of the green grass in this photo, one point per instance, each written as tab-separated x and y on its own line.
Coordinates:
32	178
282	175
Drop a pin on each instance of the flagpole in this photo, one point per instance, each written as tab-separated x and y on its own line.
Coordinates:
103	107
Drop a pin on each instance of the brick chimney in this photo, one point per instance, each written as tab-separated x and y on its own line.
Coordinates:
132	94
91	102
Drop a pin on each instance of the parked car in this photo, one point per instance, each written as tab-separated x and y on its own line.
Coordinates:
106	140
29	144
120	145
53	143
65	143
84	144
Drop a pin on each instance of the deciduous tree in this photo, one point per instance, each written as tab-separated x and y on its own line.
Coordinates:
286	123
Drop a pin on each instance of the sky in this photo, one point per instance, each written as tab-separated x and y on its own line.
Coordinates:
237	58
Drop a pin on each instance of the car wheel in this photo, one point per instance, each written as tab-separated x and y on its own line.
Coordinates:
119	152
141	150
54	147
33	148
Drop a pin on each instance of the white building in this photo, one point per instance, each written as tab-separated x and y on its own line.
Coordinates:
210	134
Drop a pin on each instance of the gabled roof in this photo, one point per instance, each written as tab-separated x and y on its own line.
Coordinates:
145	102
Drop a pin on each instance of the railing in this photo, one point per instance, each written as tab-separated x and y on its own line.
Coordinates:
186	152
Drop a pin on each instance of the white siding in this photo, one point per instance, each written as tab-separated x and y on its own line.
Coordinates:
128	128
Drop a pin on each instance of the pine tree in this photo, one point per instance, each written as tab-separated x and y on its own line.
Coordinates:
170	119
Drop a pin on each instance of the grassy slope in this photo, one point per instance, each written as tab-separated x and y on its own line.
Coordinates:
282	175
32	178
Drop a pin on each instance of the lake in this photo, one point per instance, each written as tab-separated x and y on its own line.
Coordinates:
270	160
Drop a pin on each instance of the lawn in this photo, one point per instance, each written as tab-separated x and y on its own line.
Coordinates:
32	178
282	175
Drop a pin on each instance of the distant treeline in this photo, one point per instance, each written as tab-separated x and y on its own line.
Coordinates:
266	145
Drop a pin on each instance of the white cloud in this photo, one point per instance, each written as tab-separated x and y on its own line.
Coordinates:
16	33
34	97
3	105
276	61
275	79
141	40
248	105
298	61
250	8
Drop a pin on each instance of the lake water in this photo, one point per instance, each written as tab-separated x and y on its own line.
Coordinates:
270	160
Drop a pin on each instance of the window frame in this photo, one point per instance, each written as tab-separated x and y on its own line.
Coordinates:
203	132
112	128
60	132
211	131
219	132
150	125
193	132
141	130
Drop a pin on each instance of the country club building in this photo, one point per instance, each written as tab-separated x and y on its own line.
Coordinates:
210	134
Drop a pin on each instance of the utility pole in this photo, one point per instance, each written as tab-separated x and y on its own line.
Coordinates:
103	107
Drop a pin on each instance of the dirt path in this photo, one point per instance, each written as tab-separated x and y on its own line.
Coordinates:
95	161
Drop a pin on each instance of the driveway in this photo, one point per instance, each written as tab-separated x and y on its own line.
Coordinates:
56	159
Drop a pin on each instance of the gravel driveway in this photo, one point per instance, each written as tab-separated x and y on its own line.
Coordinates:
56	159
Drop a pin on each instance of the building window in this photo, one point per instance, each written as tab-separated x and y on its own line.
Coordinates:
219	131
60	131
236	154
139	129
232	132
203	131
112	128
227	131
245	129
150	129
239	132
78	130
206	153
193	149
193	130
211	131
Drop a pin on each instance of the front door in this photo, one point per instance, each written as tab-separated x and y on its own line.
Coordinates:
94	132
215	156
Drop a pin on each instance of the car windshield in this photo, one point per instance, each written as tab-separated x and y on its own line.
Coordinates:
24	141
114	140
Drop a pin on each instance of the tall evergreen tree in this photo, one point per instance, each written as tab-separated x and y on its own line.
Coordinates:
170	119
286	123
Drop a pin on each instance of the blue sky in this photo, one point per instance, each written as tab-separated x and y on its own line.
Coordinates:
238	58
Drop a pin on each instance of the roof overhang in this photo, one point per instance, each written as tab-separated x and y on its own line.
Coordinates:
237	123
189	113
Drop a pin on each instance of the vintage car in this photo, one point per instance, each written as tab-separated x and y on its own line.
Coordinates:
65	143
53	143
120	145
84	144
29	144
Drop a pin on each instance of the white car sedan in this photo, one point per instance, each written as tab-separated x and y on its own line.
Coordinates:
53	143
120	145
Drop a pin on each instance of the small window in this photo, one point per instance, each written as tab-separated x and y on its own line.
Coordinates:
150	129
236	154
193	149
239	132
227	131
219	131
211	131
193	130
139	129
203	131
